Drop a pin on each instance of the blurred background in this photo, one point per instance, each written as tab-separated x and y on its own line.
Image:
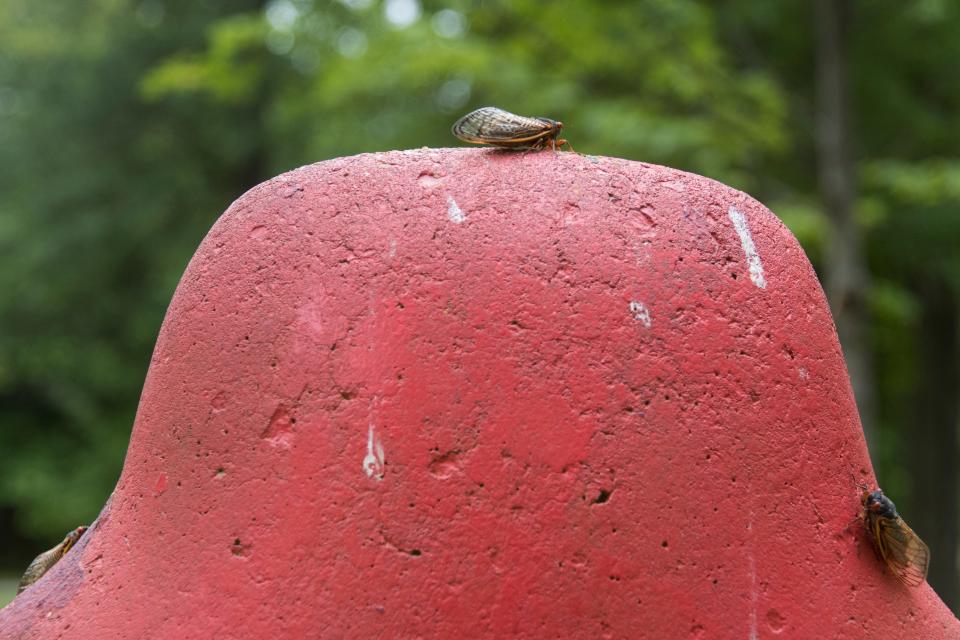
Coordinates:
128	126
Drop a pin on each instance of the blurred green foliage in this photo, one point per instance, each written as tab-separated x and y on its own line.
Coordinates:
8	589
127	126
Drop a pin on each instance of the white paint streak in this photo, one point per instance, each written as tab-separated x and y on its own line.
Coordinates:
640	313
746	241
453	211
373	461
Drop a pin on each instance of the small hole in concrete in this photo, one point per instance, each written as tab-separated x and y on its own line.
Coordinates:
237	548
664	544
415	552
603	496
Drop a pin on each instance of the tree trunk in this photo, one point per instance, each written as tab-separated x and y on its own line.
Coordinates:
933	436
846	276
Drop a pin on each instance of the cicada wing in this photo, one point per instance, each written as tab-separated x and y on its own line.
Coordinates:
904	552
491	125
40	565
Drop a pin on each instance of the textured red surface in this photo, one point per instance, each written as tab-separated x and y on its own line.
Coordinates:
467	393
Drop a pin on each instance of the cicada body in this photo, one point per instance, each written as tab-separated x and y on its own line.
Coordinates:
904	553
45	561
490	125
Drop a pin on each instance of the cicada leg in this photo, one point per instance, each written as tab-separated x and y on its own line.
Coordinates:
557	144
536	145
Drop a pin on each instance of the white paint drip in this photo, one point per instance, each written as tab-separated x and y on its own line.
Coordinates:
640	313
453	211
373	461
746	241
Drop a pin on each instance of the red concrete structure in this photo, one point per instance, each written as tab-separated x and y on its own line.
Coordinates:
468	393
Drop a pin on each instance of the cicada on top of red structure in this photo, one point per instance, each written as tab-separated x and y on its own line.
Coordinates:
490	125
904	553
45	561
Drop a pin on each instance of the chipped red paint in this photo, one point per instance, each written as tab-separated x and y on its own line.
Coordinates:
589	405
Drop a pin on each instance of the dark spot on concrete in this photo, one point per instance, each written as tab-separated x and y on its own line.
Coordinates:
240	549
602	497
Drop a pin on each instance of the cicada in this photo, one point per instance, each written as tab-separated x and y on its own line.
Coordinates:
490	125
894	541
45	561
